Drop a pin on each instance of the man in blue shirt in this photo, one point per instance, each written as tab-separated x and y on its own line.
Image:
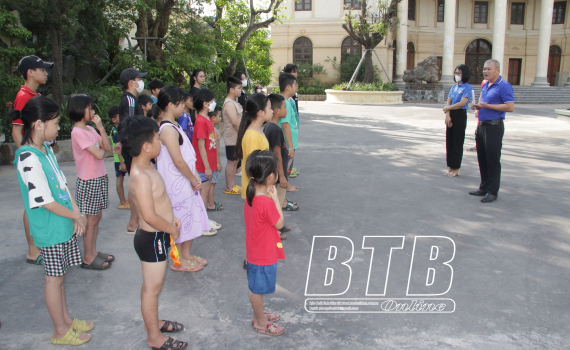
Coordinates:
496	99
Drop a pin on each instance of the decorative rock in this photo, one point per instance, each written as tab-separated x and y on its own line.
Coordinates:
424	96
427	70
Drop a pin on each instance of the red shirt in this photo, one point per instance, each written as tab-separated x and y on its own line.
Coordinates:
23	96
204	129
262	243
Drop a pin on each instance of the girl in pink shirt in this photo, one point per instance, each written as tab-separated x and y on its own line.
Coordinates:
92	189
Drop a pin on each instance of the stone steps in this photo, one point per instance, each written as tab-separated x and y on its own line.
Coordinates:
533	95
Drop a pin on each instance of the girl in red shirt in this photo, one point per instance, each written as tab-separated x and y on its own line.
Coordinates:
263	218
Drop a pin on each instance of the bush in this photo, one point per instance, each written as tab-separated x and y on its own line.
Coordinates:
367	87
306	73
316	89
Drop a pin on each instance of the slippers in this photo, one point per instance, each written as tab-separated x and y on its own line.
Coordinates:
172	344
290	207
131	233
81	325
218	207
199	260
288	201
70	338
245	264
192	267
271	317
210	233
272	329
106	256
234	190
285	229
176	327
38	261
215	225
282	236
472	149
125	206
96	264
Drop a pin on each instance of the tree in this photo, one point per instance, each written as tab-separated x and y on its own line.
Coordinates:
370	27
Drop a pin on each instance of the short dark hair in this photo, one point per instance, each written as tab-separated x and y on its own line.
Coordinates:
238	74
113	112
465	75
215	112
126	85
144	99
202	96
76	107
155	84
154	112
232	83
286	79
290	68
135	132
187	95
276	100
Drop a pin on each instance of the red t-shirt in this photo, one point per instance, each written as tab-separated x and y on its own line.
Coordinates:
204	129
23	96
262	243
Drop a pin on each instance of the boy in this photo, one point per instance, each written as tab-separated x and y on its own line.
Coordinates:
155	86
216	117
157	223
33	69
288	87
233	112
120	167
292	69
146	103
184	120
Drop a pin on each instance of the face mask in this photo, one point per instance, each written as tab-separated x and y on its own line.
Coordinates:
212	106
141	86
457	79
244	83
258	91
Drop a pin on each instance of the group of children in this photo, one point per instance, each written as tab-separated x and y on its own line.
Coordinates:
173	164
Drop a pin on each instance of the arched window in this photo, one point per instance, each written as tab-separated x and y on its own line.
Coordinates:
554	57
303	50
351	47
477	53
411	56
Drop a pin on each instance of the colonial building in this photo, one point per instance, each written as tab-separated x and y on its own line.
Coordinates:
528	37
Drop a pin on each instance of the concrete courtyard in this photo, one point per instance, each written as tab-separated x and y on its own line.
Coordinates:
364	171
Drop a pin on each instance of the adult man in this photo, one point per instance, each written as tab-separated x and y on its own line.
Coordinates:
496	99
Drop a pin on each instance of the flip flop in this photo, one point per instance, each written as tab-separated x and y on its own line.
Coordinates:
81	325
193	267
215	225
96	264
218	207
290	207
38	261
199	260
106	256
172	344
272	329
285	229
292	175
288	201
70	338
131	233
271	317
234	190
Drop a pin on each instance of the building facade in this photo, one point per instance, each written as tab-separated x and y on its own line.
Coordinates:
528	37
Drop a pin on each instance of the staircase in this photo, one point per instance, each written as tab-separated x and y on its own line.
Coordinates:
532	95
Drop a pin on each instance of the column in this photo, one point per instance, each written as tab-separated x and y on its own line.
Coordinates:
543	44
447	69
499	28
402	42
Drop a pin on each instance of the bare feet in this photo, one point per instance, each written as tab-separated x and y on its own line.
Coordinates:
292	188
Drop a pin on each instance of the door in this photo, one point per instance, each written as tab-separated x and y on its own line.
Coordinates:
478	51
515	65
394	60
554	63
411	56
439	67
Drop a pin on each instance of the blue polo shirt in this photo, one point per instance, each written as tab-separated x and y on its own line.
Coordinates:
498	93
457	92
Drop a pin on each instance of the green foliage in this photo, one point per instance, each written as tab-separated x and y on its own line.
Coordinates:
317	89
346	67
306	73
367	87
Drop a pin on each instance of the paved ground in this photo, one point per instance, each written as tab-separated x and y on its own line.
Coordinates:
364	171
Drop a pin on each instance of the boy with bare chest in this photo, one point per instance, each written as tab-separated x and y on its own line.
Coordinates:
157	223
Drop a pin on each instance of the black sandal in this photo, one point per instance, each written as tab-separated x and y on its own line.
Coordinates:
176	327
172	344
105	257
245	264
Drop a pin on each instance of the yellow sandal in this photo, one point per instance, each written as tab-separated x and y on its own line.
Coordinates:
70	338
81	325
234	190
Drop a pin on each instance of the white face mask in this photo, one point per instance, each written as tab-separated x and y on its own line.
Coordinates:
458	79
244	83
212	106
141	86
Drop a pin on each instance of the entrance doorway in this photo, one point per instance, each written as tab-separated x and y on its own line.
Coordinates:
477	53
554	63
515	65
394	60
411	56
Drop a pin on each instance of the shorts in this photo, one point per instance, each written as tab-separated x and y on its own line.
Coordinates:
261	278
281	193
151	246
231	153
58	257
92	196
214	177
118	172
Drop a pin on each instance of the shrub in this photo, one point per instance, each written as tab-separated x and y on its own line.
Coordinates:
367	87
316	89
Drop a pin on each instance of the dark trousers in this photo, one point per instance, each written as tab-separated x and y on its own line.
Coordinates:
489	141
455	138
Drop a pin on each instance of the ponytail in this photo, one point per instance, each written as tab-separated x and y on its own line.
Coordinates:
37	108
256	103
260	164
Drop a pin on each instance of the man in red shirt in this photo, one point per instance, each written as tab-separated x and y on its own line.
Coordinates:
33	69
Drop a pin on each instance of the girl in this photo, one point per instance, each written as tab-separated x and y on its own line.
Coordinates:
177	165
54	217
250	135
92	190
263	217
184	120
197	78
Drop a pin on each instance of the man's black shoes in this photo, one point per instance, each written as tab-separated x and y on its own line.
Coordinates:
489	198
480	193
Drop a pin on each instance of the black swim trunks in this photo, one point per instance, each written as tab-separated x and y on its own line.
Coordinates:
152	246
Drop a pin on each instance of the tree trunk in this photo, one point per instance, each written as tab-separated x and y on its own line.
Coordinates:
368	68
57	81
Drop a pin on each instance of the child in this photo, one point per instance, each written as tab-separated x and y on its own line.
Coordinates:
204	142
233	112
120	167
184	120
33	69
156	114
157	223
250	135
54	217
263	217
177	165
288	87
146	103
216	118
92	189
155	87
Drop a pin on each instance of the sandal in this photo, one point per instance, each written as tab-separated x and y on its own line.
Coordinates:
96	264
272	329
294	171
288	201
234	190
282	236
172	344
285	229
176	327
292	175
125	206
215	225
472	149
199	260
81	325
70	338
192	267
290	207
271	317
245	264
39	260
218	207
106	256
